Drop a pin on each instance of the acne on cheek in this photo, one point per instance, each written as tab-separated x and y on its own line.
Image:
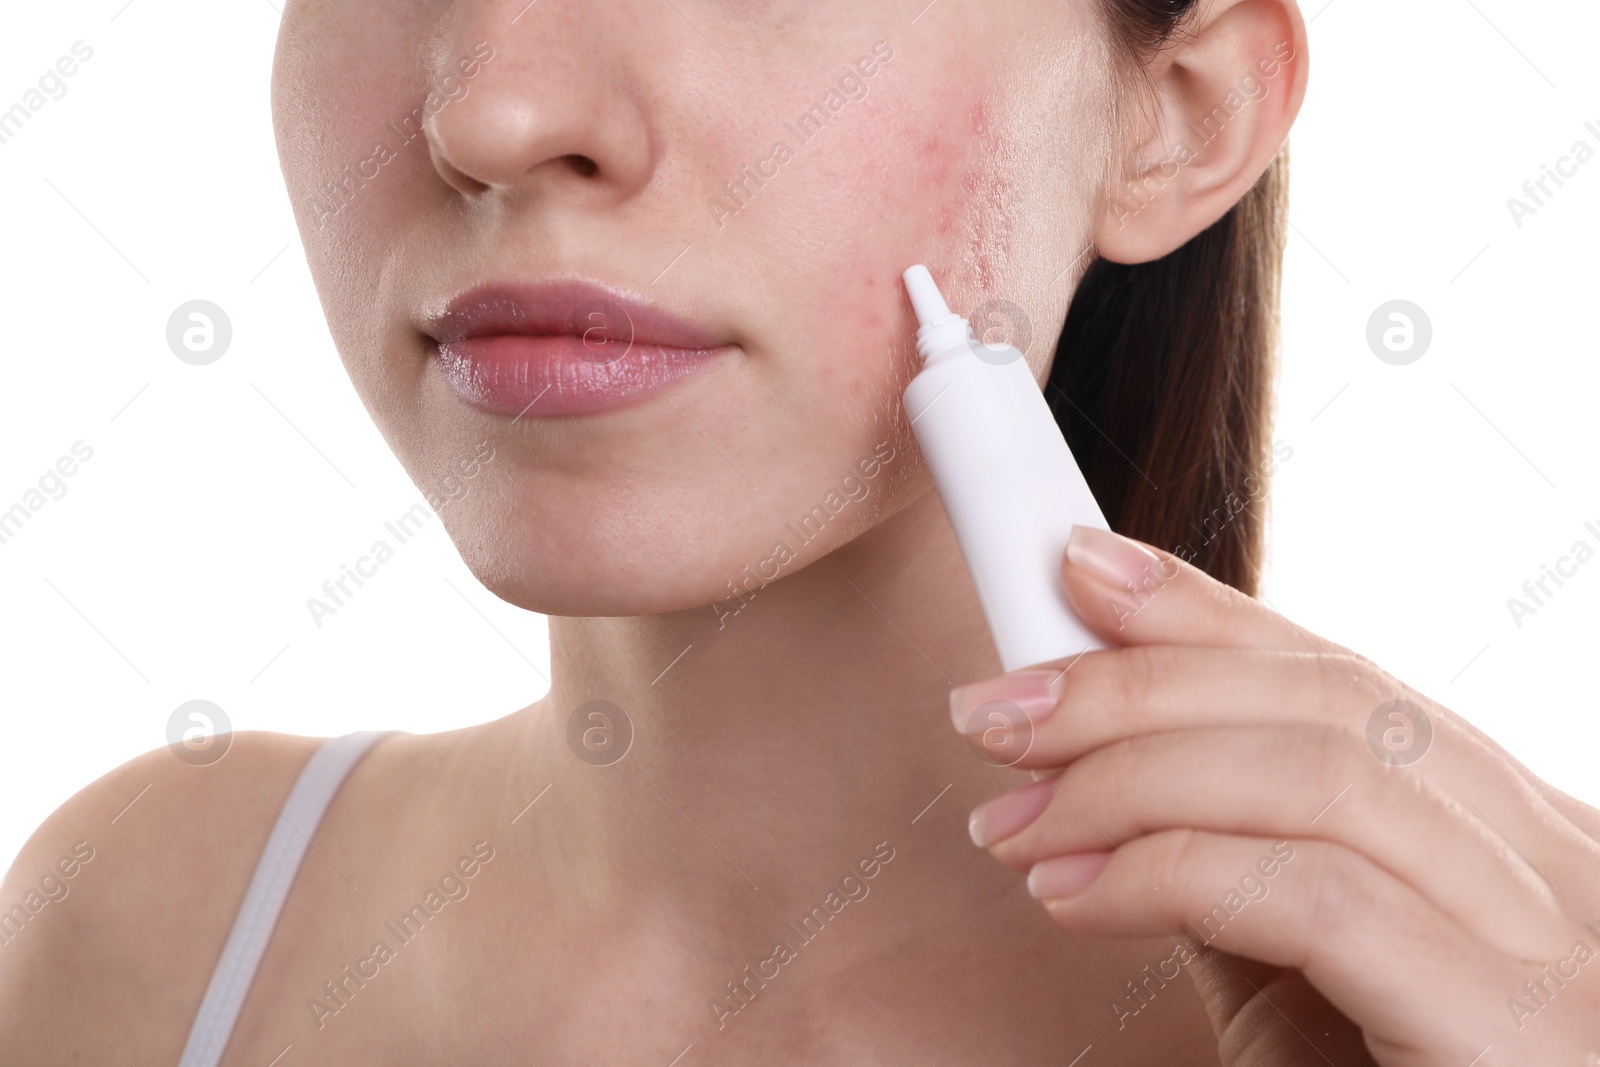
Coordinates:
961	192
988	191
874	360
988	231
869	317
941	191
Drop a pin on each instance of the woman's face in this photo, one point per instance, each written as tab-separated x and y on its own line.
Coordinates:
693	215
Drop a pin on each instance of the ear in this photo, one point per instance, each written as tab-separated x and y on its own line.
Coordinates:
1227	89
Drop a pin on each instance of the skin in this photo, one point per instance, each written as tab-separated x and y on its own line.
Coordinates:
1410	899
809	729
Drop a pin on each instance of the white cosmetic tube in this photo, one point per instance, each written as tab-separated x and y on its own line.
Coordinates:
1008	481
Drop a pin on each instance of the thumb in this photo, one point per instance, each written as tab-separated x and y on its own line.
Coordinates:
1133	594
1266	1016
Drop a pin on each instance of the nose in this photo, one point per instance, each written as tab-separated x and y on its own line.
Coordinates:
552	108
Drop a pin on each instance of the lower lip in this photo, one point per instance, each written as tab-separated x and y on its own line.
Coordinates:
538	376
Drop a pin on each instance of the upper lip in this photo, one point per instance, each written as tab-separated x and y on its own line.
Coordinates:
563	308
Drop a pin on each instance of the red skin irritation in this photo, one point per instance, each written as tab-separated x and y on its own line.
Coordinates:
978	117
980	191
959	174
986	195
937	156
874	325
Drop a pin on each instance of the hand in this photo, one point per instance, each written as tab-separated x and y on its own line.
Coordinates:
1351	873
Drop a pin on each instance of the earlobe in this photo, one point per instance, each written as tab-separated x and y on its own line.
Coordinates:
1226	92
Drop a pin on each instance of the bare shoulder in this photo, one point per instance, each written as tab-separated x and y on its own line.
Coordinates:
114	912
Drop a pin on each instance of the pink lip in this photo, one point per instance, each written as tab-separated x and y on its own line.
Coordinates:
563	348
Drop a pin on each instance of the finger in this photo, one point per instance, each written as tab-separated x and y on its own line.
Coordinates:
1291	781
1267	1016
1106	696
1583	818
1043	719
1133	594
1385	957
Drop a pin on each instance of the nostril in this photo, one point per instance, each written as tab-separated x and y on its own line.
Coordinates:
583	166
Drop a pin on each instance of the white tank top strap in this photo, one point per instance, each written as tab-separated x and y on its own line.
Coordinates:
269	887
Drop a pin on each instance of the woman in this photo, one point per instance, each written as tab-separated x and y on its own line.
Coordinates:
628	274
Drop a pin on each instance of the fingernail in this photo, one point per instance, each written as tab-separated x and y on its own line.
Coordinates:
1034	692
1009	814
1065	876
1116	560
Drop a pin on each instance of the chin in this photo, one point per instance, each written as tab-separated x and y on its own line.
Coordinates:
648	519
594	561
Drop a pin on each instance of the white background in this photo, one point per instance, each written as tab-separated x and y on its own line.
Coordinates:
1418	499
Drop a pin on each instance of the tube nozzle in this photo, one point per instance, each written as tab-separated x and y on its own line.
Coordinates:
941	331
926	299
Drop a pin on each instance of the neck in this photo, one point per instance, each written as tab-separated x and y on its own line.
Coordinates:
774	748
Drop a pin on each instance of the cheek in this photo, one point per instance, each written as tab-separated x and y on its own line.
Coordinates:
964	180
881	361
995	185
931	185
988	194
953	184
353	158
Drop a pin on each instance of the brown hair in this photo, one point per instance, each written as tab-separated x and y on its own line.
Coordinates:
1164	371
